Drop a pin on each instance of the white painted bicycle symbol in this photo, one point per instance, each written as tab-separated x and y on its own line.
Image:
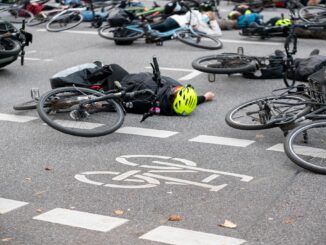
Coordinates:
137	179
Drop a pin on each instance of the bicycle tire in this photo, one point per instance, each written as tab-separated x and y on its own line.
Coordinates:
64	21
313	14
15	15
28	105
311	155
256	116
227	63
60	109
9	47
119	34
198	40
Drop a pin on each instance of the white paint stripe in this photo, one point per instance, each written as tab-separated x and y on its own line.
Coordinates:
75	124
188	182
77	32
222	141
81	219
178	236
146	132
302	150
210	178
190	76
15	118
172	69
126	175
7	205
223	40
251	42
37	59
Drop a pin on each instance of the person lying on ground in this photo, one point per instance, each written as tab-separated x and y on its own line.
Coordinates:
174	98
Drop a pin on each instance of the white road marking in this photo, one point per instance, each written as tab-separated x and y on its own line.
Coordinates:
16	118
146	132
38	59
77	32
79	219
188	182
75	124
223	40
252	42
190	76
210	178
178	236
302	150
7	205
222	141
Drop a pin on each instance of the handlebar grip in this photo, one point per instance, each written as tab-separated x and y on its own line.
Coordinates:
156	64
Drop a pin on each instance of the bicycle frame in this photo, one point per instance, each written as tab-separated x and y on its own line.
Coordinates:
171	33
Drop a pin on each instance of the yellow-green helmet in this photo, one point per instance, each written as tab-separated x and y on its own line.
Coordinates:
185	101
283	22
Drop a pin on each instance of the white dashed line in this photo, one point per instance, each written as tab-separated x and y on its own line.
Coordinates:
15	118
146	132
222	141
178	236
7	205
79	219
302	150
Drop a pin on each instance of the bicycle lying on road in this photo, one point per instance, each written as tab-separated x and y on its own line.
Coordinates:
12	43
287	110
273	66
85	112
126	29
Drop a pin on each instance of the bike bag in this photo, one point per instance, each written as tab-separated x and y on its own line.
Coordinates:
88	15
317	84
119	17
306	67
272	71
84	75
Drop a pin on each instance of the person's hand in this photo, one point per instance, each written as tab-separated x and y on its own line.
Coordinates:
209	96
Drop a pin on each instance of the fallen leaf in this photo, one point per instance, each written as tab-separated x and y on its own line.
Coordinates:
228	224
163	221
175	217
260	136
289	221
29	179
39	193
6	239
48	168
39	210
118	212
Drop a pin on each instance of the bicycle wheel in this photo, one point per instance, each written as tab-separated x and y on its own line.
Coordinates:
257	114
15	15
61	109
119	34
306	146
28	105
64	21
9	47
199	40
313	14
227	63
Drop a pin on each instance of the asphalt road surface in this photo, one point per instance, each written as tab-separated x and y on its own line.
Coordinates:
123	188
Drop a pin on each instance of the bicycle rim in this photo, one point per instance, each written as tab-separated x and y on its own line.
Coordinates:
64	21
224	64
199	40
16	15
60	108
313	14
253	115
306	146
118	33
